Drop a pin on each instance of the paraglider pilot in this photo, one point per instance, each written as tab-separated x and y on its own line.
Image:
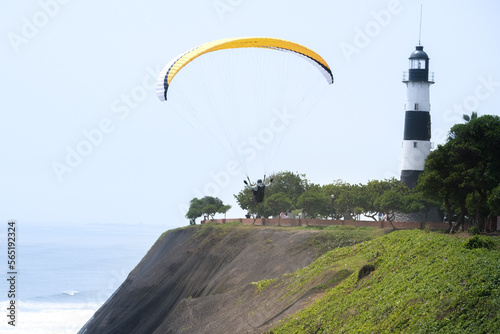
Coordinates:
258	189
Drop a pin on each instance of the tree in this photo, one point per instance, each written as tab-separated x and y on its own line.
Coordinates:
336	188
347	199
468	118
358	199
208	206
465	170
477	145
195	210
224	209
444	181
244	200
210	210
369	194
436	181
390	202
315	202
494	203
277	203
417	201
289	184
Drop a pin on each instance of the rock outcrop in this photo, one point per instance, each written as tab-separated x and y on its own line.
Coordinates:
198	280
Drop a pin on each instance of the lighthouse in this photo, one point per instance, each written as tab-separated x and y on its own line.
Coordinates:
417	128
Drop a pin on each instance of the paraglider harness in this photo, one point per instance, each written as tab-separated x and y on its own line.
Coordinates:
258	196
257	190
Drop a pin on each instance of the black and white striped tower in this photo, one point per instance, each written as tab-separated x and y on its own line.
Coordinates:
417	132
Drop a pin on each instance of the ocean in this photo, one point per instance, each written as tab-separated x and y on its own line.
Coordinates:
66	272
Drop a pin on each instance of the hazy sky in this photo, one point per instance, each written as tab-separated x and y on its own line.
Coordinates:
79	76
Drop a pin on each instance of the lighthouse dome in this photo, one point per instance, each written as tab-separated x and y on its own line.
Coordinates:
419	53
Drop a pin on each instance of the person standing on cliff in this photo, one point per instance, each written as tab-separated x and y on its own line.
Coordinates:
258	189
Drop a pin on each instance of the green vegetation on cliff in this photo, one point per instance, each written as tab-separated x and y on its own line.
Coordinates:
421	283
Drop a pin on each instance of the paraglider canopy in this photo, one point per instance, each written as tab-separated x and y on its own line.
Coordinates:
176	64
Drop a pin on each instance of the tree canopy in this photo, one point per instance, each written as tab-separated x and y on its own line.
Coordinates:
290	185
208	206
291	191
315	202
464	172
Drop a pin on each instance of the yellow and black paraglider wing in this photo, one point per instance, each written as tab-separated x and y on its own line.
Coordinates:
176	64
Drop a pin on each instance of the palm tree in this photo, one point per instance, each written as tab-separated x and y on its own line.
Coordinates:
468	118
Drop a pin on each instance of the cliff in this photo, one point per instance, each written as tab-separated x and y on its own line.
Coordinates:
197	280
245	279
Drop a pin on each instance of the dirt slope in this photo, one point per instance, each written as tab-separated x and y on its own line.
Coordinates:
197	280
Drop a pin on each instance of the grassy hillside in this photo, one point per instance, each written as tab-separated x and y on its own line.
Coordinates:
422	282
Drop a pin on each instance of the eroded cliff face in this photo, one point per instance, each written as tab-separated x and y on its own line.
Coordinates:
198	280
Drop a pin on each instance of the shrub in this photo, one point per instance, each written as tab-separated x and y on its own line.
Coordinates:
474	230
365	270
261	285
478	241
